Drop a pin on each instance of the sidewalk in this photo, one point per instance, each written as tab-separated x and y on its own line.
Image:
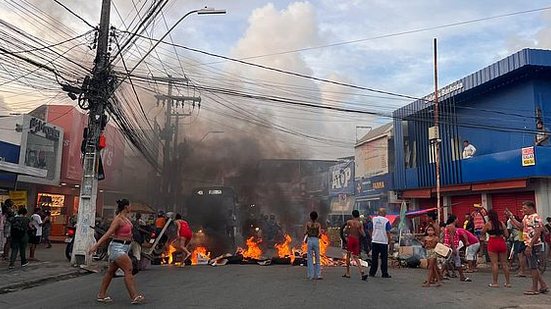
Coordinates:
52	266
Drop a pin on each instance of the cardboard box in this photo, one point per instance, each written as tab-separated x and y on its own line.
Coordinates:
406	251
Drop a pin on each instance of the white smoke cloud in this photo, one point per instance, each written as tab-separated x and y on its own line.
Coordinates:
294	27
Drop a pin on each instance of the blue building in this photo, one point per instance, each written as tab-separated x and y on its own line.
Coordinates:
504	110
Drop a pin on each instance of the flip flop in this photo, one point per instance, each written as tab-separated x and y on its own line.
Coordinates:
507	285
105	299
138	300
491	285
531	292
544	291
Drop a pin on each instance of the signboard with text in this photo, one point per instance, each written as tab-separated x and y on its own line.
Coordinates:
341	179
528	156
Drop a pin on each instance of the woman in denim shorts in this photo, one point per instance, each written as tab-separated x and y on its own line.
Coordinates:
121	231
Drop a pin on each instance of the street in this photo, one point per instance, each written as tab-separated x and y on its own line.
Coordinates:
252	286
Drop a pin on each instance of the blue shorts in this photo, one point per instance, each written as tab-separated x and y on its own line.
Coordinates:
117	250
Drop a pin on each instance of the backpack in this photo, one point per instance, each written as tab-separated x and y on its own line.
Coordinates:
19	227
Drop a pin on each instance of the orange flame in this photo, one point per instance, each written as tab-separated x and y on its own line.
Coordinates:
199	250
168	253
324	244
253	250
284	249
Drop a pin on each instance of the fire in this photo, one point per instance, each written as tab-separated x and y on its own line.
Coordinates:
199	250
253	250
284	249
169	253
324	244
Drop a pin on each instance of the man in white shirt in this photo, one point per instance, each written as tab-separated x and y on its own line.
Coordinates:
468	150
35	237
380	236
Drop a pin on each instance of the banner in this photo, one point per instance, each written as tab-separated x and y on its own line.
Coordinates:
19	198
341	179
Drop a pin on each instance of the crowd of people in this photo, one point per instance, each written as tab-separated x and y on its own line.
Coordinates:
19	231
448	245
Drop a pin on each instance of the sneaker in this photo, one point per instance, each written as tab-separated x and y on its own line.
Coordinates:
11	267
26	264
386	276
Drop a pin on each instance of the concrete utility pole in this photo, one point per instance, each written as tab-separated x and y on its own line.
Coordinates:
171	171
100	87
437	131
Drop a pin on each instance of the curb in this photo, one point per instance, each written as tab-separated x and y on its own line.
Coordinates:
33	283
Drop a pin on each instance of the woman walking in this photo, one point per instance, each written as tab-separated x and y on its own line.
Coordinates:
497	248
121	230
313	234
184	237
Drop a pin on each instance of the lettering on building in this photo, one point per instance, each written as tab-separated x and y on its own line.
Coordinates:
341	178
37	126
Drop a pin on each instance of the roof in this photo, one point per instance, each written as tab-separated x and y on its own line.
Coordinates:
375	133
515	63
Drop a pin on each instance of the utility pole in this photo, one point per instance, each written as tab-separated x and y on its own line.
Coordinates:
437	131
171	171
99	89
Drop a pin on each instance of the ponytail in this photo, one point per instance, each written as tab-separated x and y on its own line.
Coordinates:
121	204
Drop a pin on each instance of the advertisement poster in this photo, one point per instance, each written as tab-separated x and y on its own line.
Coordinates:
528	156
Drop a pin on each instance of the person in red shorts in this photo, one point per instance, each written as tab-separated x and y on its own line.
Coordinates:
355	229
497	248
184	236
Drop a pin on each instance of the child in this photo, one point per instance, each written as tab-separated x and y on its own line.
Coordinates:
429	243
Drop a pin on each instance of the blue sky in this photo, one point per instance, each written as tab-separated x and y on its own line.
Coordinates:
400	63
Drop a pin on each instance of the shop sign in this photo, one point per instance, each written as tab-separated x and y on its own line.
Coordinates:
19	198
40	127
528	156
342	178
373	185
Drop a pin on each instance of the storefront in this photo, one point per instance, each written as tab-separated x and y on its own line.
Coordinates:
374	193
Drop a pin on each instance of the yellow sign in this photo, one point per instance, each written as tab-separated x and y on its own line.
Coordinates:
19	198
528	156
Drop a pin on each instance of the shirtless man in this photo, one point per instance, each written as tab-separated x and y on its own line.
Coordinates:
354	228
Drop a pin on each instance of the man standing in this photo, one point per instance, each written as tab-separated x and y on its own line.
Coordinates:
19	237
355	231
380	236
532	227
36	236
468	150
468	224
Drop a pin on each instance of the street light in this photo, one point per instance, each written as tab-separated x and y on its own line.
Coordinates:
203	11
209	132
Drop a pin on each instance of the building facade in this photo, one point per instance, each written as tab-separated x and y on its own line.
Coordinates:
374	158
504	110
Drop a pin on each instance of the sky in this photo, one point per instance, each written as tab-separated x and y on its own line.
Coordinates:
370	43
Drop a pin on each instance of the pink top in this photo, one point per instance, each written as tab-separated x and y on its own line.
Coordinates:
124	231
451	240
472	239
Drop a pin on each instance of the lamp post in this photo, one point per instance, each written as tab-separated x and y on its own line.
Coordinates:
203	11
209	132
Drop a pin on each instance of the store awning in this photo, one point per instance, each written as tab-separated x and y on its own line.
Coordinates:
22	170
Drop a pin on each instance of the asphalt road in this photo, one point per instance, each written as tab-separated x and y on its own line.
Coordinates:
277	286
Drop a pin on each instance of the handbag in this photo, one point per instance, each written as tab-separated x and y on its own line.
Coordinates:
442	250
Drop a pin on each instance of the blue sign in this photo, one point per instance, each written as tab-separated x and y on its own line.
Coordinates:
341	179
374	185
9	153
